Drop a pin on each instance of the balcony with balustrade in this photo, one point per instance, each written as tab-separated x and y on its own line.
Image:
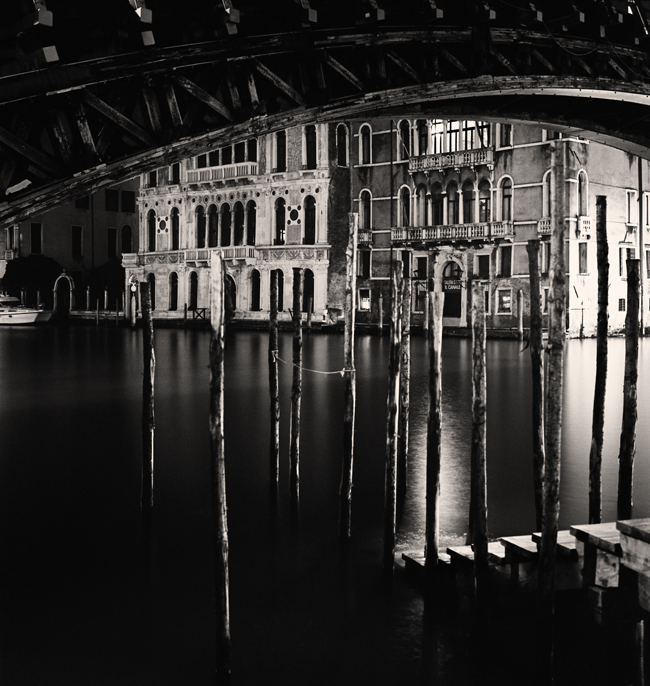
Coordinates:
193	257
452	233
224	172
452	160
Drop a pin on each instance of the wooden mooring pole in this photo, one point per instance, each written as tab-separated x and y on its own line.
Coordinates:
310	306
148	416
390	493
404	393
274	387
296	385
628	429
537	367
425	325
134	305
380	325
598	416
553	429
218	463
478	518
345	493
520	315
435	303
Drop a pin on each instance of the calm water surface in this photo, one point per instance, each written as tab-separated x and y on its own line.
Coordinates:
71	599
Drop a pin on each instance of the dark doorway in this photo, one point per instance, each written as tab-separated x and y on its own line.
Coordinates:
451	284
308	291
173	291
255	291
194	291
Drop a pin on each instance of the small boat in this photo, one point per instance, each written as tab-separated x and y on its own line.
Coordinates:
12	312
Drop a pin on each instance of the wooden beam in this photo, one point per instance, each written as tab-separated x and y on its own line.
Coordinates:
152	107
232	89
107	133
617	68
24	125
117	118
584	65
25	150
542	60
252	90
343	71
84	129
172	104
500	58
203	96
57	123
404	66
452	60
278	82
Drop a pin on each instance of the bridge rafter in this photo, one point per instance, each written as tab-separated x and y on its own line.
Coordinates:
149	87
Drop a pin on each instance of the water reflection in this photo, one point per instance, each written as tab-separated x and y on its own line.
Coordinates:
69	490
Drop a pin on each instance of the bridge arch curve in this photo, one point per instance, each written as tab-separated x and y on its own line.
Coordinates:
69	125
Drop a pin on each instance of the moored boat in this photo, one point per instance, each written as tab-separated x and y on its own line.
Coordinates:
12	312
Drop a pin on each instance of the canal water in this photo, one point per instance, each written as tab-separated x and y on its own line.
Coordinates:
72	608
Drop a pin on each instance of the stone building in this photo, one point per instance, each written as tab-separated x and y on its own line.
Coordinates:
82	236
264	204
458	201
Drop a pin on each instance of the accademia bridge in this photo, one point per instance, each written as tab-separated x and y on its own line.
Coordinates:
91	93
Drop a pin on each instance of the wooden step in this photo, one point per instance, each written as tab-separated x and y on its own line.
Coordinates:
465	553
418	559
603	536
519	547
566	543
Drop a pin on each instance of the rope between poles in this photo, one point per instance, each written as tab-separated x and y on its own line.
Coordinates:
306	369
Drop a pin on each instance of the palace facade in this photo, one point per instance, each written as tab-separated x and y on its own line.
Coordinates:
268	204
456	201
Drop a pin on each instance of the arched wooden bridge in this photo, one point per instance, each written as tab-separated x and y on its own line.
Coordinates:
91	93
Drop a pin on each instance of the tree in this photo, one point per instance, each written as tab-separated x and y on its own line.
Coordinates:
33	273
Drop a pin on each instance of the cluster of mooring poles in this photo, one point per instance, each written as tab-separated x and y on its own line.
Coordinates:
547	388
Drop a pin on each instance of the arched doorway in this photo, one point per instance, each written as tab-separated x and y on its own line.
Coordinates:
173	291
452	286
63	295
308	290
194	291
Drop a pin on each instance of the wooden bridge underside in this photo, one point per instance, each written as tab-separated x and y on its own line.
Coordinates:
93	96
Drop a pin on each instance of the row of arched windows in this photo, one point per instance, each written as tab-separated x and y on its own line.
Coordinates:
225	226
424	137
307	290
467	204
